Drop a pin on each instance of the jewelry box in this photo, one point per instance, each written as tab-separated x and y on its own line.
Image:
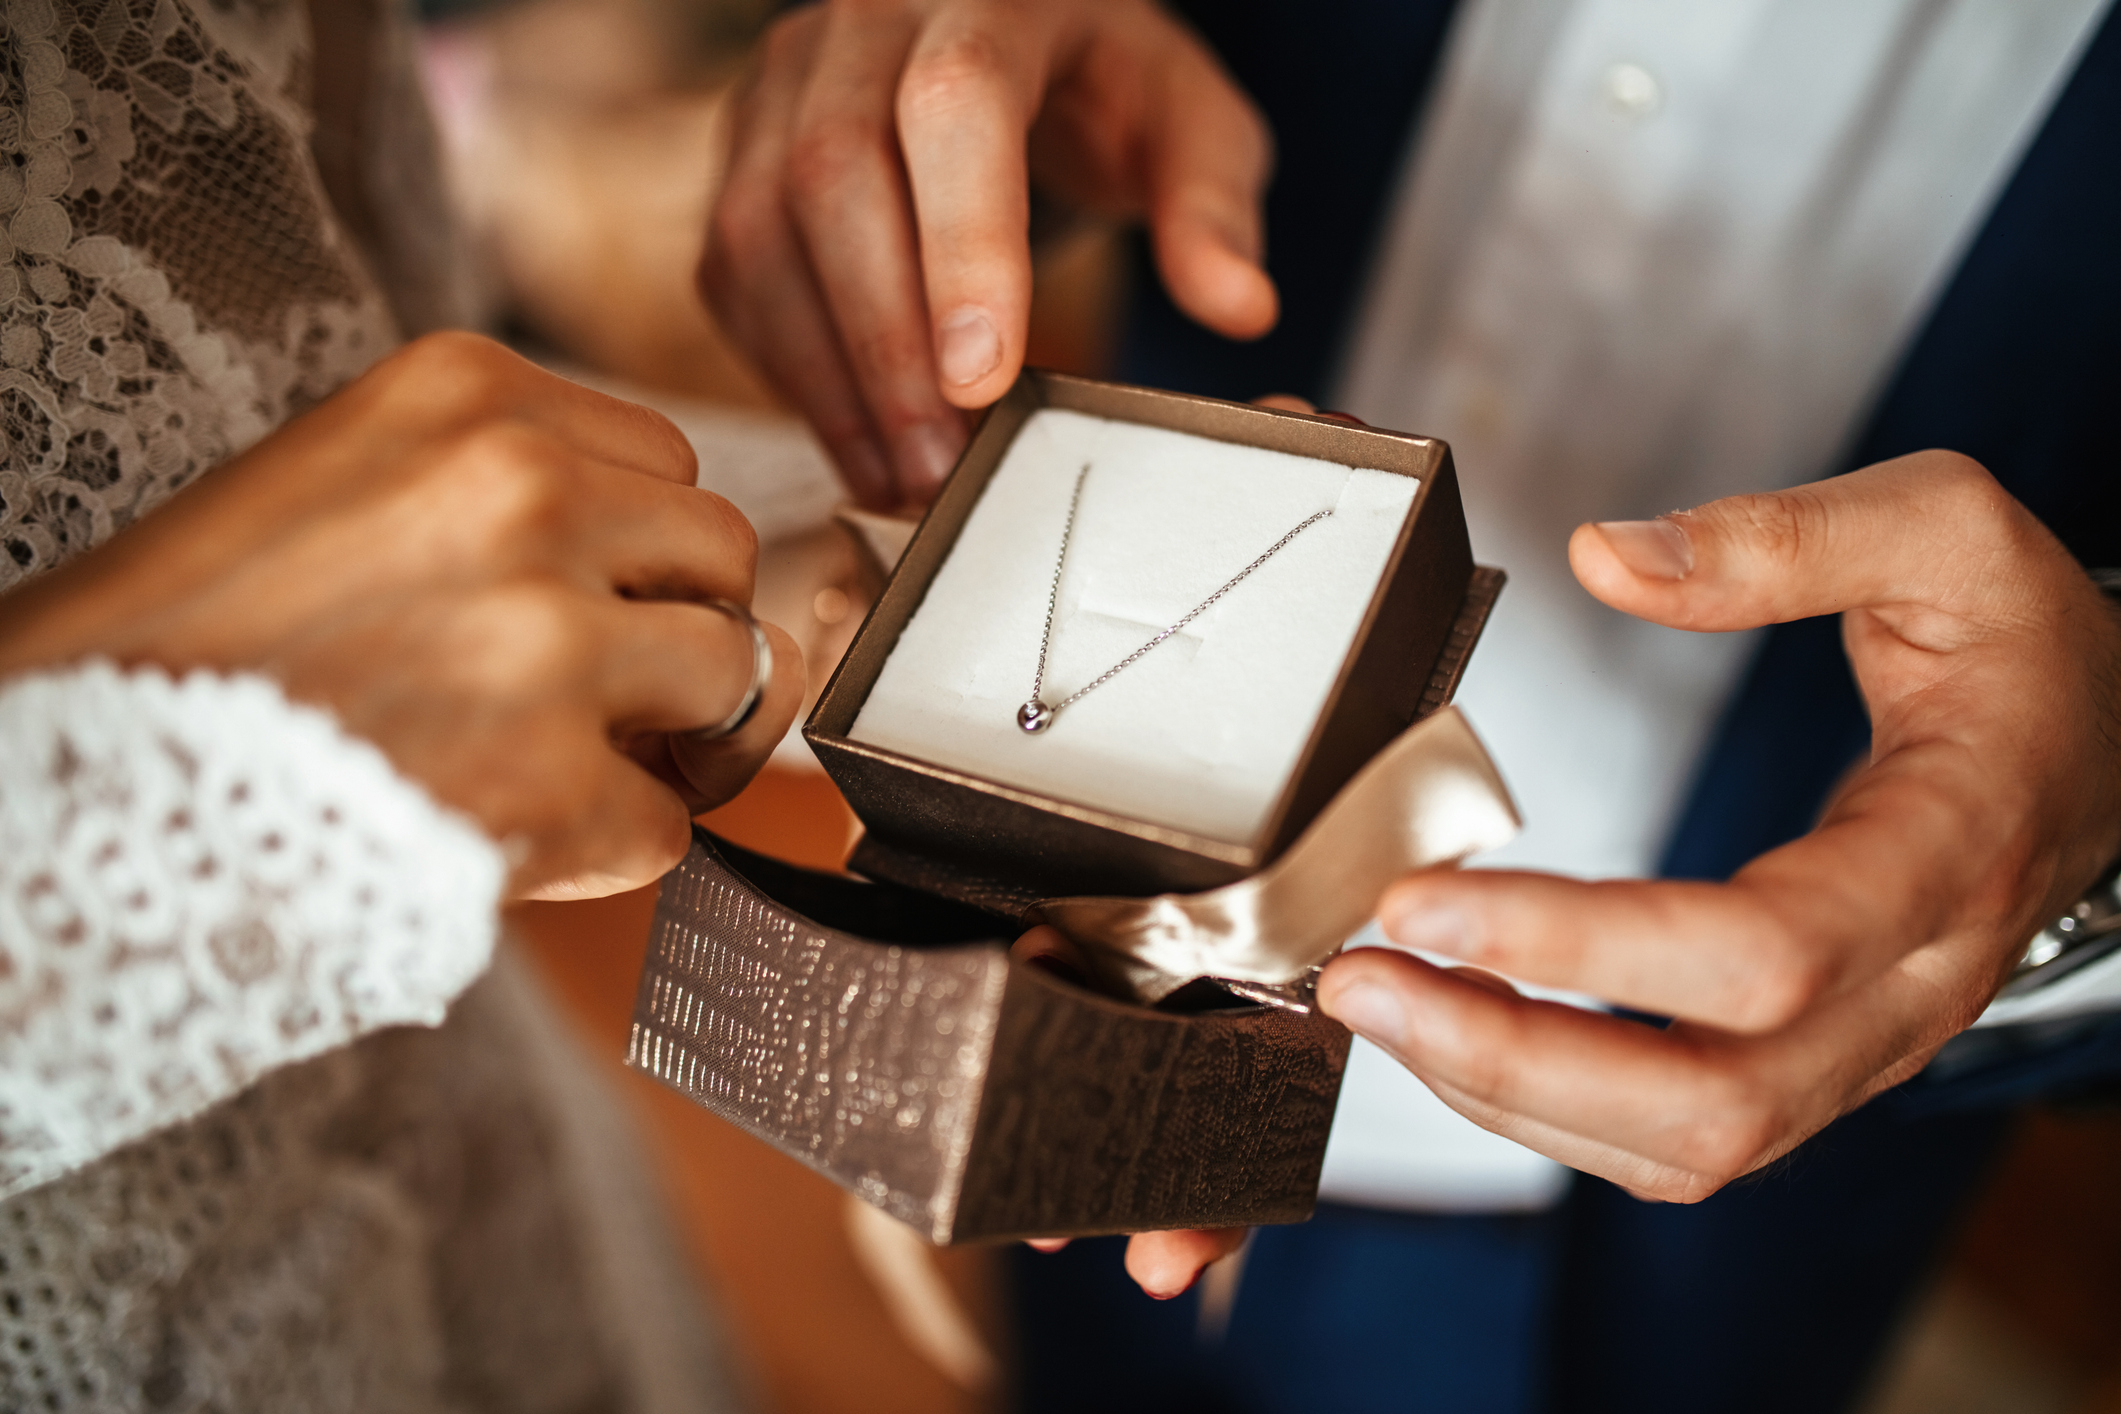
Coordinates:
1323	599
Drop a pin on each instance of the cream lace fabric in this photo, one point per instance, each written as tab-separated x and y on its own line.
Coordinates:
209	1199
429	1221
172	283
198	883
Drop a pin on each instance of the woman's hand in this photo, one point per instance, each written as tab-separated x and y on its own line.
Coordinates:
1835	966
869	244
483	569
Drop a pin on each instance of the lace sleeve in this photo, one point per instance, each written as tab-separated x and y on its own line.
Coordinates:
200	882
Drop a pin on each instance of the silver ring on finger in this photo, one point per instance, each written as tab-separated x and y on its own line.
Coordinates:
761	674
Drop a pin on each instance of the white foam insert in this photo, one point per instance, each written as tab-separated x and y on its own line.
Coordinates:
1202	733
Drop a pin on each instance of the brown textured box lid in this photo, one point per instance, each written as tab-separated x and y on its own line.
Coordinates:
961	1091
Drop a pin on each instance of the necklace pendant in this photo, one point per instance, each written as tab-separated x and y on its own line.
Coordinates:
1034	717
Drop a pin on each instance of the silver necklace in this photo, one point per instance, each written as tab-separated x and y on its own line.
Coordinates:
1035	716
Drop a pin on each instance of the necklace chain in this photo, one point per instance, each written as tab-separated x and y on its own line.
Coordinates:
1035	715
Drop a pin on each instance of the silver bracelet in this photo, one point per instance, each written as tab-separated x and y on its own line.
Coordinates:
2089	931
2092	927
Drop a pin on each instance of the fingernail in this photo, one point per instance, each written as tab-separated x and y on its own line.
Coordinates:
970	347
1369	1011
1654	549
1243	238
924	454
1432	927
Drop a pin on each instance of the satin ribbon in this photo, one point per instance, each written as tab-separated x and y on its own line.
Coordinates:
1430	798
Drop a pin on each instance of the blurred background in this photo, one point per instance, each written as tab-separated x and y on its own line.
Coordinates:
585	140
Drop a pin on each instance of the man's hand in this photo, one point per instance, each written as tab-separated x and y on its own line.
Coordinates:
1835	966
1829	969
481	568
869	247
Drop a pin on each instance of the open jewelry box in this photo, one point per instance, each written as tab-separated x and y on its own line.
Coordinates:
878	1028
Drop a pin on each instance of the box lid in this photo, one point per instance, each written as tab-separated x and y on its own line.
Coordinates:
953	832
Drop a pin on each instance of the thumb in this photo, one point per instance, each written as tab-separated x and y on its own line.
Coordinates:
1932	528
1209	159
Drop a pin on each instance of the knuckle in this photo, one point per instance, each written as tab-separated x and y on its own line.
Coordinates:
508	658
1732	1139
1780	526
1969	495
739	537
1483	1066
1658	1182
1786	976
675	446
1960	477
467	374
531	631
1690	1188
1484	1077
448	347
518	466
964	70
512	490
540	615
824	156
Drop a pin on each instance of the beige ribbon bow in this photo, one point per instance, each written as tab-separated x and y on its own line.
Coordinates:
1432	797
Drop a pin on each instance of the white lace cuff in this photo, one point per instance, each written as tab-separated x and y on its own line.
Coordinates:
200	882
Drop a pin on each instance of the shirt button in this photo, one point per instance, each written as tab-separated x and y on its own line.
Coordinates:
1631	90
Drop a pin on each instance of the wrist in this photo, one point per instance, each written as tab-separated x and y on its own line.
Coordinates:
2090	928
